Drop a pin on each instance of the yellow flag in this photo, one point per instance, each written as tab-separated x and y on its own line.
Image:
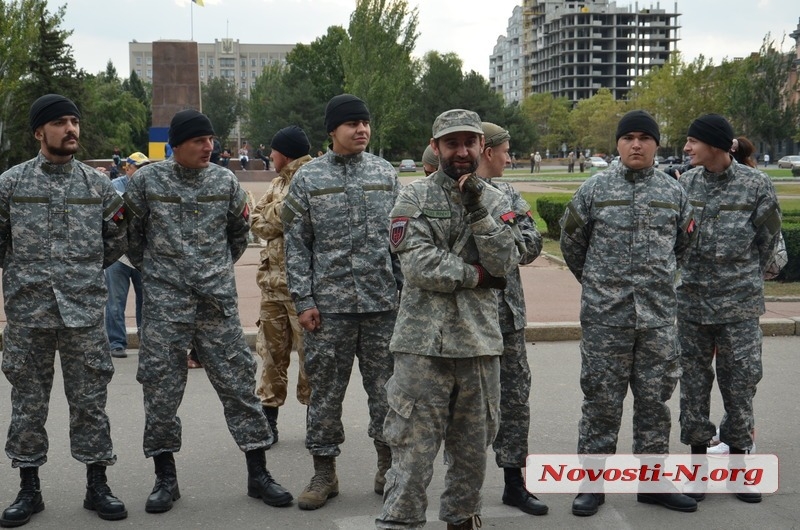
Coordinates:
199	2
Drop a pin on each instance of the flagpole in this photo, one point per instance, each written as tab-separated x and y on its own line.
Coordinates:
191	18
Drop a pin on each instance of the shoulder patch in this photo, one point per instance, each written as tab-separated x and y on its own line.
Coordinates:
397	230
509	218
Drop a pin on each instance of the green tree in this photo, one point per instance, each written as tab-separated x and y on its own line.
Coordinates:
223	104
50	68
378	66
594	122
296	94
760	96
143	94
111	116
549	118
17	38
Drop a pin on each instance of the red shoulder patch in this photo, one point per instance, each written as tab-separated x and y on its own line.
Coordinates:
509	217
246	211
397	230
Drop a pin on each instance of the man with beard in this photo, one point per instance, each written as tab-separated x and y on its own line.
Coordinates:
60	225
344	282
456	239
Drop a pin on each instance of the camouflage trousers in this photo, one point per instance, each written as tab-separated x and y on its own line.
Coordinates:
511	444
28	363
738	364
229	365
330	352
278	331
433	399
613	358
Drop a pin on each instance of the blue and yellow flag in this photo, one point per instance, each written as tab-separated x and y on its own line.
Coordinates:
199	2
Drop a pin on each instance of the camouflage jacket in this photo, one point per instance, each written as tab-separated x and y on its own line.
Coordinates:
442	313
189	227
266	224
336	229
512	298
60	225
622	236
739	221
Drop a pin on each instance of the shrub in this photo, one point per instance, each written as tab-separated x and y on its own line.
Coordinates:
551	209
795	171
791	235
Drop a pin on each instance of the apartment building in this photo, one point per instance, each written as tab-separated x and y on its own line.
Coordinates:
574	48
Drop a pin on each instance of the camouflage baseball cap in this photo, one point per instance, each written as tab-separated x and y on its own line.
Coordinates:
494	134
456	120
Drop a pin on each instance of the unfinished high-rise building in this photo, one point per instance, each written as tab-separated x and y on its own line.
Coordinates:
574	48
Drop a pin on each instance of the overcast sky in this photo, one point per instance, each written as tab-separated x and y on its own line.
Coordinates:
103	28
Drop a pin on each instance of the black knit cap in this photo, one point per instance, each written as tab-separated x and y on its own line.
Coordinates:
713	130
51	107
188	124
291	142
342	108
638	121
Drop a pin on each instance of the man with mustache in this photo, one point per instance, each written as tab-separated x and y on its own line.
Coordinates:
344	282
189	225
61	224
456	239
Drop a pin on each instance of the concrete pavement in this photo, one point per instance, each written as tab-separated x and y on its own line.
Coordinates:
211	469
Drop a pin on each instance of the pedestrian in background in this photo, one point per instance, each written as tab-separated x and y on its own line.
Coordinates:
721	295
279	330
344	283
190	225
430	162
511	444
622	235
60	224
121	274
456	241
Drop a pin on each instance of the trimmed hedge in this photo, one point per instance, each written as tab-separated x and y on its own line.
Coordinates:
551	210
796	171
791	236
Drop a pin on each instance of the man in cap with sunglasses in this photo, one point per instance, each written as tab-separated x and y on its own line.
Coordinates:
121	274
189	225
61	223
457	239
511	444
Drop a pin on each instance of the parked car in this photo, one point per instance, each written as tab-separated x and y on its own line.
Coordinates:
596	161
407	165
789	162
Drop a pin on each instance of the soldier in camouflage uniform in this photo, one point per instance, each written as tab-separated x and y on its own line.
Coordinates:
344	282
622	236
456	239
721	295
511	444
61	223
278	327
189	226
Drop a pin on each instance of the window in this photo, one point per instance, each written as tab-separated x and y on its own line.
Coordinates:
149	60
138	61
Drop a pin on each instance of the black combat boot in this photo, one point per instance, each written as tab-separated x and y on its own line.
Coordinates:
165	491
272	418
28	502
515	493
697	490
99	497
753	496
586	504
260	484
